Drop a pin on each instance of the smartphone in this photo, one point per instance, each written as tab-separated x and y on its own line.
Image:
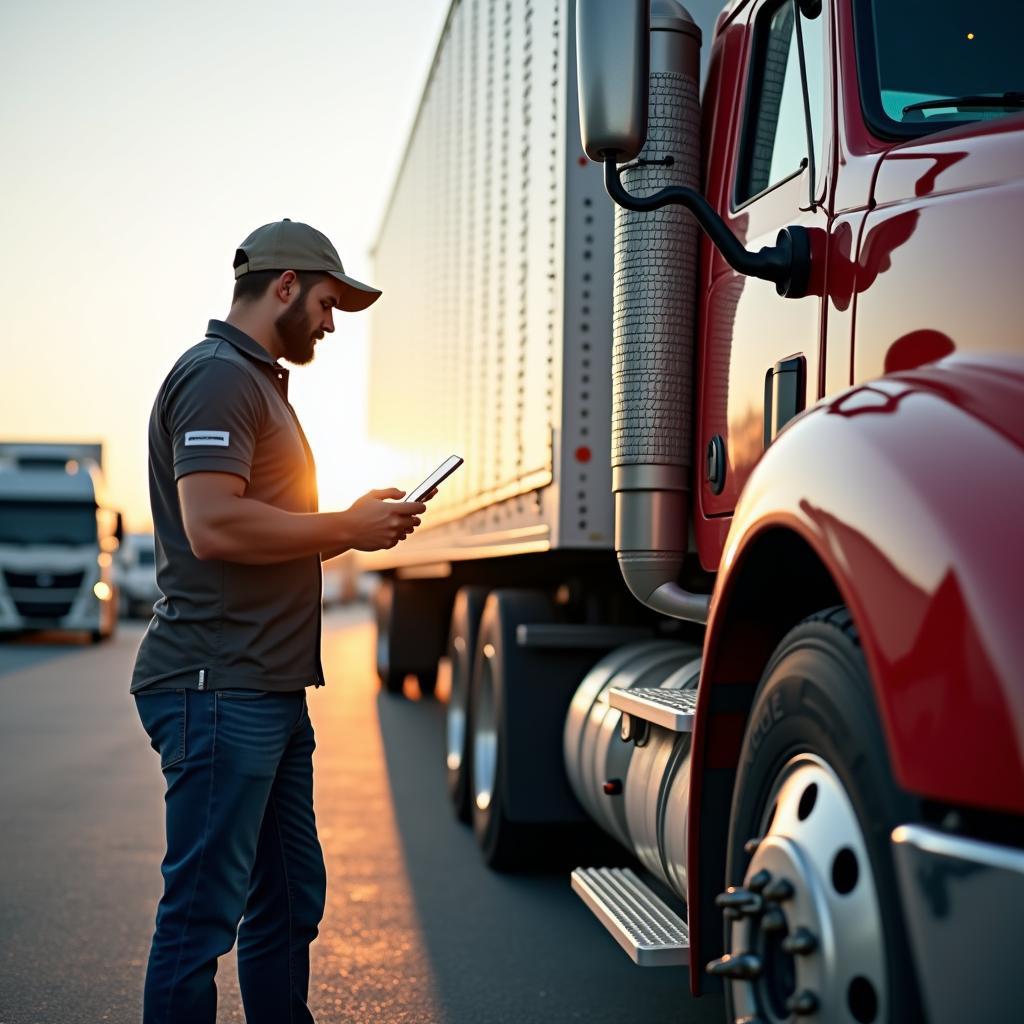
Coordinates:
442	472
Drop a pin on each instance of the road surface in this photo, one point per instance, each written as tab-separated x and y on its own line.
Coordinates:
416	930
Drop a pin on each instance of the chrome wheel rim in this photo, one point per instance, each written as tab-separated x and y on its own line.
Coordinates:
455	719
485	735
806	940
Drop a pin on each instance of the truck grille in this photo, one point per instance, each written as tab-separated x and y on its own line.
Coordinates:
31	580
43	595
41	610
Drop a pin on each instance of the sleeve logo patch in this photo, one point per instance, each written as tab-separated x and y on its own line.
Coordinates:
217	438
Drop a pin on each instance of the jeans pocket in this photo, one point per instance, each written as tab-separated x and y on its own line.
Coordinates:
163	714
235	693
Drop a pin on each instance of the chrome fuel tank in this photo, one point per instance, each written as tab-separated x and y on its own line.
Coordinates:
638	794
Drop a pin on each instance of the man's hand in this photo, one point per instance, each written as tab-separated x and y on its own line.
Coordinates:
377	523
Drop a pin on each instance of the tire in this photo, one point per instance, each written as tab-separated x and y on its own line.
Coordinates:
815	804
524	812
412	616
427	680
391	675
462	643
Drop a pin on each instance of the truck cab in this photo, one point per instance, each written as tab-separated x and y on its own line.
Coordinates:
855	482
57	541
884	178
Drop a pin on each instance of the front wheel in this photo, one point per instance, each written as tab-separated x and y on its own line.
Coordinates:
813	923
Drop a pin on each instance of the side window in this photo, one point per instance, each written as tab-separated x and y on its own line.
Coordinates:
774	145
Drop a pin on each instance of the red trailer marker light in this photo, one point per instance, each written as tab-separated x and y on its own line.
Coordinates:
583	453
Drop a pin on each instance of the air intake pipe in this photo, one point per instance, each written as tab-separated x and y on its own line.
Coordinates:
654	328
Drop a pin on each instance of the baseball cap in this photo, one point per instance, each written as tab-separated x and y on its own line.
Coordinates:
290	245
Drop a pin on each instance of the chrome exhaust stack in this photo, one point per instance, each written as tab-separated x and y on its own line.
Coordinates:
654	323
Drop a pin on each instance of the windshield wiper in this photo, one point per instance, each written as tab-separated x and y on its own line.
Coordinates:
1006	99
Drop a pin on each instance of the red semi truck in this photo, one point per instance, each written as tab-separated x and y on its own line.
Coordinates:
808	720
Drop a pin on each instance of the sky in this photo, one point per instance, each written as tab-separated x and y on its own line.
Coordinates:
139	144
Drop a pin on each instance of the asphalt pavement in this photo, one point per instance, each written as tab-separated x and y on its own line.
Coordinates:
416	930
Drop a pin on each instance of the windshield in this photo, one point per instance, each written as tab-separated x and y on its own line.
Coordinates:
941	50
36	522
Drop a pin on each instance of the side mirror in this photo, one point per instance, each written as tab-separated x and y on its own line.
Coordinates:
612	67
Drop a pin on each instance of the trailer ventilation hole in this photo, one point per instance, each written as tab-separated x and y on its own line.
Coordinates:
810	794
844	871
862	1000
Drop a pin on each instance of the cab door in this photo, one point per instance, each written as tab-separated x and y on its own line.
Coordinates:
760	353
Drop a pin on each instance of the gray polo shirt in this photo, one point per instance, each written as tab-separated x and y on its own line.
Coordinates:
224	408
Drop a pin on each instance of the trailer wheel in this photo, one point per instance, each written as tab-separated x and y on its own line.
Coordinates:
524	813
411	619
391	674
813	924
462	638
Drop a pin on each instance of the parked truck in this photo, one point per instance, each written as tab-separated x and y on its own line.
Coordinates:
733	567
58	535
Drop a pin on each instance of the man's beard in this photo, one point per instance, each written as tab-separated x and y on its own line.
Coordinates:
295	328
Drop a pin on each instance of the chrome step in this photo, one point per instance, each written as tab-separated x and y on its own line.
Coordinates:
640	922
673	709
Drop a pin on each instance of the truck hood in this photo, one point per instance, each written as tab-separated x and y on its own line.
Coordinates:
981	154
986	386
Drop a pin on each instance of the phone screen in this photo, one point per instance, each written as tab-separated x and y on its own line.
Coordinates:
442	472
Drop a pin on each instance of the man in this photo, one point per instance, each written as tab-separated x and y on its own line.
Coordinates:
221	675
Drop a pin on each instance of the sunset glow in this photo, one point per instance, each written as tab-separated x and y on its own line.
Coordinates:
135	161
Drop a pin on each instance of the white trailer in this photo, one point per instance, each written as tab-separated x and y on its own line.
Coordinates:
494	341
493	337
57	540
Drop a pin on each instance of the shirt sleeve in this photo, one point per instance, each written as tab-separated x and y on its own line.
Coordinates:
213	416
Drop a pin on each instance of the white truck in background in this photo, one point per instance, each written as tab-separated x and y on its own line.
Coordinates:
135	565
58	536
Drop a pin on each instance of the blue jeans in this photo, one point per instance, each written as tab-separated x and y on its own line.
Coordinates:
241	847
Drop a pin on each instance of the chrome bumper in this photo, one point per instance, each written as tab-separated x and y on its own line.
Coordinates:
963	901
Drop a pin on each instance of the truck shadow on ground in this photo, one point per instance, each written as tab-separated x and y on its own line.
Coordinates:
506	947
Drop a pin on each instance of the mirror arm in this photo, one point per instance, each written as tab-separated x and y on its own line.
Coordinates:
787	263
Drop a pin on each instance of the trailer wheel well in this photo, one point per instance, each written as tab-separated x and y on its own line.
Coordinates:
778	583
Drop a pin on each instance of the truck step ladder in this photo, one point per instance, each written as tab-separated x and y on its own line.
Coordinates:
672	709
639	921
